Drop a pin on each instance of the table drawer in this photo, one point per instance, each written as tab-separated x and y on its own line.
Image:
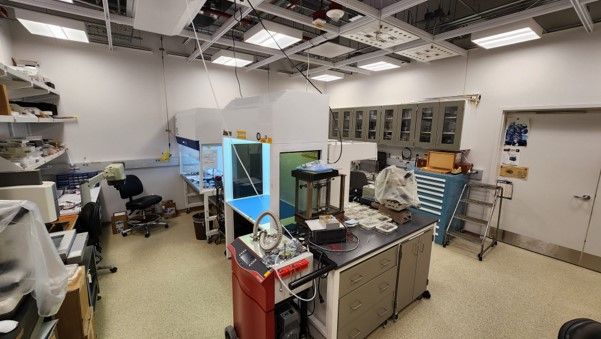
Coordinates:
369	320
362	273
366	296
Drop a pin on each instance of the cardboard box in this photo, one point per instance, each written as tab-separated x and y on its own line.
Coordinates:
118	222
4	105
169	209
75	312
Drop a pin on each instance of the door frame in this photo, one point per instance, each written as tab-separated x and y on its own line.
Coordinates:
534	245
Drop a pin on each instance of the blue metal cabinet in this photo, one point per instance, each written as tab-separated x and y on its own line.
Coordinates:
438	195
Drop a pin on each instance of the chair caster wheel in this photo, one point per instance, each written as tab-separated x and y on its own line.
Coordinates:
187	211
98	297
480	257
146	235
166	225
230	333
113	269
426	294
124	234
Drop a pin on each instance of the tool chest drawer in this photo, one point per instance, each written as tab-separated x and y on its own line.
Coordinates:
366	322
362	273
366	296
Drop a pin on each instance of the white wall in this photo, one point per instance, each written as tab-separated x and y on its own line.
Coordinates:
119	99
561	69
5	42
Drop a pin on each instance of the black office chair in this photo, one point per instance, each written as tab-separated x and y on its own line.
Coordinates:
357	181
89	220
580	328
142	210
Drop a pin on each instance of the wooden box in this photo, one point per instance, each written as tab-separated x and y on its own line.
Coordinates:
442	162
75	313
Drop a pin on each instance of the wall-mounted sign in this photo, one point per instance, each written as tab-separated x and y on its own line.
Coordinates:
509	171
516	133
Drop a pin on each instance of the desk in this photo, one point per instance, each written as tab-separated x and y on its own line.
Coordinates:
380	262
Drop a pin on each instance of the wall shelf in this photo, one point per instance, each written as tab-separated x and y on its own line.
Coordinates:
45	160
21	85
35	120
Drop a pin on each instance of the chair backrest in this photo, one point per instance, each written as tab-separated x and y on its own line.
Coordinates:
132	186
358	180
89	220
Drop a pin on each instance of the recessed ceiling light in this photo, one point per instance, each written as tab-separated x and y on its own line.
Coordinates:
380	64
67	1
229	58
51	26
327	76
508	34
276	36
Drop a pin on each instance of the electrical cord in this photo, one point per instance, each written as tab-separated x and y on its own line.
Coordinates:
294	294
337	251
234	50
168	130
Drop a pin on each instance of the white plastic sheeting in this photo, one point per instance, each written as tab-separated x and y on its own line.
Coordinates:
397	184
29	262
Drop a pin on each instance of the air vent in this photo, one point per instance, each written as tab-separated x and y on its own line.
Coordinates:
380	34
428	53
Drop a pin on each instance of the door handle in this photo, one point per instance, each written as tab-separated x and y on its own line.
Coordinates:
357	279
584	197
356	306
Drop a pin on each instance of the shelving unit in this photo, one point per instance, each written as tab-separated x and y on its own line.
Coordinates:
20	85
46	160
35	120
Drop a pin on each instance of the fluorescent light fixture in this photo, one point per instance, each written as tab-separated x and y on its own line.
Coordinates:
229	58
275	35
381	64
508	35
67	1
327	76
51	26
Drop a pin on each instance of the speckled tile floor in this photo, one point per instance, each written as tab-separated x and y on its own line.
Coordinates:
174	286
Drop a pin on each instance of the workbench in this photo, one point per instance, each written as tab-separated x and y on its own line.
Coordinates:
195	196
374	282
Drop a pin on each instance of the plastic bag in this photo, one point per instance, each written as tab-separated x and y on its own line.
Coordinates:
397	184
29	261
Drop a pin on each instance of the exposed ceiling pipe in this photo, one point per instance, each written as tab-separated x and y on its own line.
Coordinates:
107	21
400	6
583	14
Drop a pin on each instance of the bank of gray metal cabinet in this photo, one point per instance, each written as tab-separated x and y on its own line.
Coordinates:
388	125
373	124
367	293
414	267
406	120
425	125
449	125
346	117
359	124
334	130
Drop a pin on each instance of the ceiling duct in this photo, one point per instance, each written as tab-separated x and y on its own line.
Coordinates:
165	17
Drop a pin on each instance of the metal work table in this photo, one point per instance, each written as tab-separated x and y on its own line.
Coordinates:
374	241
193	191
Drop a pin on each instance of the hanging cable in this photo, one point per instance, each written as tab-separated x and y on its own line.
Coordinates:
234	50
168	129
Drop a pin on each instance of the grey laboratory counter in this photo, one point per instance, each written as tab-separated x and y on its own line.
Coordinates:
374	282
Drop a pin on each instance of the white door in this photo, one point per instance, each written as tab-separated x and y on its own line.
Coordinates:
592	245
564	159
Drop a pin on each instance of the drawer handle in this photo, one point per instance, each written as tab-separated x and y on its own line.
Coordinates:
384	287
355	333
385	262
421	247
356	306
382	312
357	279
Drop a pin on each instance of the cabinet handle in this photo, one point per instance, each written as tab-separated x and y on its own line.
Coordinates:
356	333
357	279
356	306
422	246
415	248
382	312
384	287
385	262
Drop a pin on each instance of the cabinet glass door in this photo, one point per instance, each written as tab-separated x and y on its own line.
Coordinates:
358	125
335	125
346	124
372	124
449	127
406	125
426	127
388	119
